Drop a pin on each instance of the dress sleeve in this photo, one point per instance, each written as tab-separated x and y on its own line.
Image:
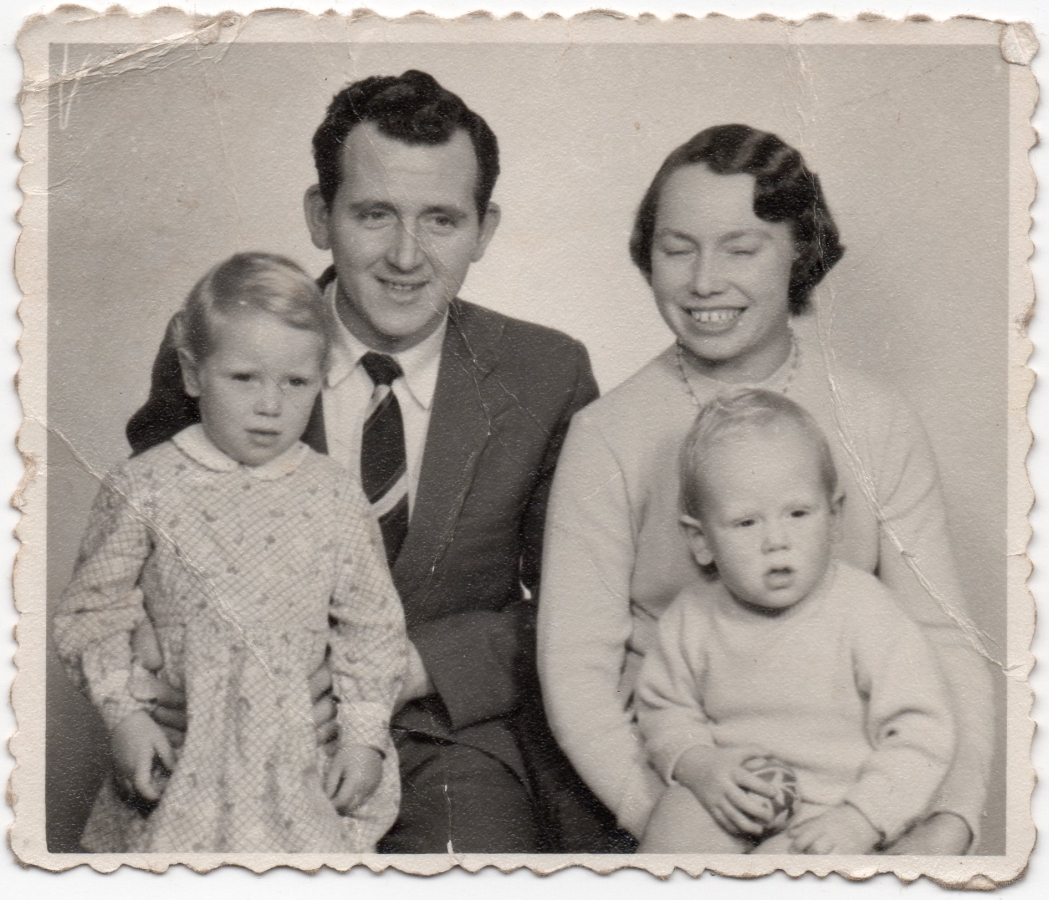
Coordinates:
909	720
668	696
368	643
584	624
916	562
102	605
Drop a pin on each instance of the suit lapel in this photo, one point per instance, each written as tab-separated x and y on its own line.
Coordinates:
460	426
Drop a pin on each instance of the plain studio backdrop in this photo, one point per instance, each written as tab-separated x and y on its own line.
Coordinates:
162	164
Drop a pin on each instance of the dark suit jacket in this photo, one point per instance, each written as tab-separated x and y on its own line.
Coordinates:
505	393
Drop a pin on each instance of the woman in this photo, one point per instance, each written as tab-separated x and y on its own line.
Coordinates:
732	236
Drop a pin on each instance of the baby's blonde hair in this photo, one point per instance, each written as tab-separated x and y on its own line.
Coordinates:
261	282
737	412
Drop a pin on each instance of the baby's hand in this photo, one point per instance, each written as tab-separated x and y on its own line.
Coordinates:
730	793
137	741
841	829
353	775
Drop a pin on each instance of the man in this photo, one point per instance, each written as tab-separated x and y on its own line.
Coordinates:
454	416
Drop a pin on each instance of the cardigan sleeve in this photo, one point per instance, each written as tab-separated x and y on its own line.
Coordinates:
916	562
909	721
368	643
668	695
584	625
102	605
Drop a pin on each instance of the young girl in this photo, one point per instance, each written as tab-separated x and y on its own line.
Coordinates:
254	555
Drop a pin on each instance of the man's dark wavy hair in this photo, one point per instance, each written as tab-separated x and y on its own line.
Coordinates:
786	191
412	108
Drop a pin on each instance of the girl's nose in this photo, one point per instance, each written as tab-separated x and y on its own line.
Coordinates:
269	400
404	252
706	275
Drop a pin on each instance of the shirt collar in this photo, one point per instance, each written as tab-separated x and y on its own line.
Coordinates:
420	363
198	446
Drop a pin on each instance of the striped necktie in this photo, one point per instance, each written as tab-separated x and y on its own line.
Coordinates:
384	469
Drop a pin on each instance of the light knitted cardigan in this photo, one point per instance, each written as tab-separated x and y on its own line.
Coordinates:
614	559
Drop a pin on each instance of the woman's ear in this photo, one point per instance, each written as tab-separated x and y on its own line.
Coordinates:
190	376
697	541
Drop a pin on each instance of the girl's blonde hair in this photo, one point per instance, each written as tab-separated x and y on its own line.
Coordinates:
261	282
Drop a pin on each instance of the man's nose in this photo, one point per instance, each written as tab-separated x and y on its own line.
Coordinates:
404	252
707	278
269	400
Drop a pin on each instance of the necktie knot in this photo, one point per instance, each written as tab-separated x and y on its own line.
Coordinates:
382	369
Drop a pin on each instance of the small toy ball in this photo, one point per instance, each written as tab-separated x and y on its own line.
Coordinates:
782	777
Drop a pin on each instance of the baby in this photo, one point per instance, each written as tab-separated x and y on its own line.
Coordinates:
801	665
254	555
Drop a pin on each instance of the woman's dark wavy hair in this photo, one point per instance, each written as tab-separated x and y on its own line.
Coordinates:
786	191
412	108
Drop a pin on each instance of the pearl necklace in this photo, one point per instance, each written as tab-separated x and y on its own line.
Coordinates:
791	367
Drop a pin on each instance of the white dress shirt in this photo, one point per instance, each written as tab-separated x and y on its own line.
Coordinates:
348	391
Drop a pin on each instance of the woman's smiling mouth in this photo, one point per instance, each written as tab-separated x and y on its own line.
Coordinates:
720	316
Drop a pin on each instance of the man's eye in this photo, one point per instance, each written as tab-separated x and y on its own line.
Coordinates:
299	382
241	376
799	513
374	217
441	222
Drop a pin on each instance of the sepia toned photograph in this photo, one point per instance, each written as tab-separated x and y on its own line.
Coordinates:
525	443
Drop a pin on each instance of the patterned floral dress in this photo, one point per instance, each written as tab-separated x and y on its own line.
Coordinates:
248	576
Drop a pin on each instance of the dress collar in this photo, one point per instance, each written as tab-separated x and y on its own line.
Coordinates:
198	446
420	363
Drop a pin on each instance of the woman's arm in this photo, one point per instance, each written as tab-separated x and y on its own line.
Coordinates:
585	622
916	561
103	605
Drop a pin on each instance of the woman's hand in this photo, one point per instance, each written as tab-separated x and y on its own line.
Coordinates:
942	834
731	794
842	829
352	777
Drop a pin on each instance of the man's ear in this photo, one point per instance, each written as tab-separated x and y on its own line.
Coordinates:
190	377
317	217
488	226
697	541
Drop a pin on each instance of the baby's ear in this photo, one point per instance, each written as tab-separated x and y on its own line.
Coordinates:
837	505
190	379
697	540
